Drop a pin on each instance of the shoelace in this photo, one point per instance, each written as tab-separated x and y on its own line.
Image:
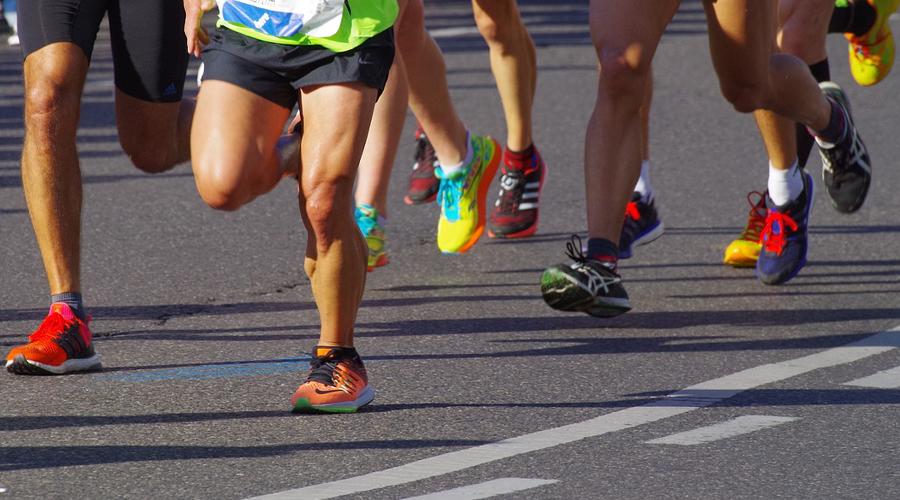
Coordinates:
325	370
631	210
596	281
757	219
511	189
50	329
772	241
365	221
449	193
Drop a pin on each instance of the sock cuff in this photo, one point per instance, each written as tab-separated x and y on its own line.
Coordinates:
602	249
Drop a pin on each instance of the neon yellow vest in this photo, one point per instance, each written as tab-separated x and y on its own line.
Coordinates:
337	25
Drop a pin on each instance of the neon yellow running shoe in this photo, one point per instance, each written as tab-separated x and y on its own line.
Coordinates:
872	55
744	251
462	197
376	238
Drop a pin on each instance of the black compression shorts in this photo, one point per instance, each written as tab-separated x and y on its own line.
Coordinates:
149	49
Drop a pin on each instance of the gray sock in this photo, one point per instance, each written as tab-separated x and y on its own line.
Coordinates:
71	299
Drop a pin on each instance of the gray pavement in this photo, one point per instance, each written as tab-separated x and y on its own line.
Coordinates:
203	319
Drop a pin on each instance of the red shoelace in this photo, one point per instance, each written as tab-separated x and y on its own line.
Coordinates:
775	241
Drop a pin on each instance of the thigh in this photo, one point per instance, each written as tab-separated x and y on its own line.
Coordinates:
628	31
149	48
45	22
741	38
234	134
335	125
803	28
498	11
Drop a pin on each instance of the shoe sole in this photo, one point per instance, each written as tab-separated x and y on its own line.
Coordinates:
486	177
809	206
563	293
648	237
530	230
304	406
22	366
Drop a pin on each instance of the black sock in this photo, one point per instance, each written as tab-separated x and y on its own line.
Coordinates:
822	72
603	250
857	18
71	299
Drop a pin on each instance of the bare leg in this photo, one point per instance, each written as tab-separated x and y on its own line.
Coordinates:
384	138
155	135
54	80
336	120
235	160
429	96
513	64
625	44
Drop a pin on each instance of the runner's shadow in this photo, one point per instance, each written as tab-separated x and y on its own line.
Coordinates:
42	457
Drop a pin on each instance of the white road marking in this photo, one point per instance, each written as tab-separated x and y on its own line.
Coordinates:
723	430
487	489
453	32
676	403
887	379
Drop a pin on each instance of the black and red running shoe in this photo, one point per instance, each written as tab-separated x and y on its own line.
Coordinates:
515	213
423	185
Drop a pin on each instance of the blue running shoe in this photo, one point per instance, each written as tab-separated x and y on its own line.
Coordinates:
641	226
784	237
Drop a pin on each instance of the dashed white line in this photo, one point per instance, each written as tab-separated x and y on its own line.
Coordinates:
677	403
488	489
735	427
887	379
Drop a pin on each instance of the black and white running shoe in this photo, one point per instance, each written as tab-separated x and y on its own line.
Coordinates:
846	168
642	225
586	285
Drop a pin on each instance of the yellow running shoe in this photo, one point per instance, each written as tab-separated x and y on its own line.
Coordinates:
462	197
872	54
744	251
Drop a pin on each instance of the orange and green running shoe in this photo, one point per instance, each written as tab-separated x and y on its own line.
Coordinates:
376	239
61	344
462	197
872	54
337	382
744	251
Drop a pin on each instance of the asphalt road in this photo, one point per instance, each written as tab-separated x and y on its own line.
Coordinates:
714	386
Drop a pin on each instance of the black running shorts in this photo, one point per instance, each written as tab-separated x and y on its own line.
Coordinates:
149	49
275	72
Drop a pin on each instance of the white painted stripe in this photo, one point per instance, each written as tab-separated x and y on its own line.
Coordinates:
452	32
677	403
723	430
527	206
887	379
487	489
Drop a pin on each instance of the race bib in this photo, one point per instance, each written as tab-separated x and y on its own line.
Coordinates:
285	18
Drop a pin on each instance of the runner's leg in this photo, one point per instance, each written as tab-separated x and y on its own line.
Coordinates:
336	120
513	64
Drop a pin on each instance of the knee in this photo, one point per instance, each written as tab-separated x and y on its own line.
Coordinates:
145	156
218	187
746	97
624	75
324	199
499	29
50	106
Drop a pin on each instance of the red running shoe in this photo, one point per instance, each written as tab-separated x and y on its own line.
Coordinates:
515	213
61	344
423	185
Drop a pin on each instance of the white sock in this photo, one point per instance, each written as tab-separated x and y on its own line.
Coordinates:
785	185
451	169
643	184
